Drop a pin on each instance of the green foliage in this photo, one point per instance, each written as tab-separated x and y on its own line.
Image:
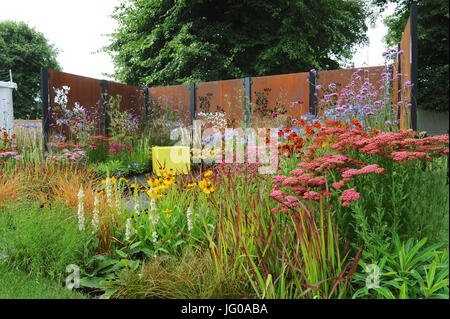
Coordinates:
106	271
408	271
112	168
171	42
410	199
43	241
433	37
192	276
15	284
24	51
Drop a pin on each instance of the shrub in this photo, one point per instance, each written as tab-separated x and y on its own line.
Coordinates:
190	277
43	241
406	271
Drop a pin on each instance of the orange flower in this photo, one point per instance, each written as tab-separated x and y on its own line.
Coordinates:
355	122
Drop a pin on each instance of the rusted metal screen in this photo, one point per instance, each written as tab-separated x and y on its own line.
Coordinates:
349	79
87	92
83	90
404	58
279	98
175	97
131	98
222	96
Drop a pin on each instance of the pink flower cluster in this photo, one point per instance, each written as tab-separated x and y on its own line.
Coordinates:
348	195
398	146
309	180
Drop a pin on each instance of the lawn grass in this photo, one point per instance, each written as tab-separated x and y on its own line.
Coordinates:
15	284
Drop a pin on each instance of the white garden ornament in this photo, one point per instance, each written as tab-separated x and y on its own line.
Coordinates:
6	105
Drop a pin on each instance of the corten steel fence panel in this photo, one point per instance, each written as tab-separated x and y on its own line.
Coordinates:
176	97
222	96
86	91
343	77
405	67
131	99
405	70
286	94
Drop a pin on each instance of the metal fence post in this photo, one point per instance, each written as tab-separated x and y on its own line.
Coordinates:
414	65
248	99
45	75
313	76
104	85
192	100
399	85
146	107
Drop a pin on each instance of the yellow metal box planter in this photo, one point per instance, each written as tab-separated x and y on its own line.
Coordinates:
171	157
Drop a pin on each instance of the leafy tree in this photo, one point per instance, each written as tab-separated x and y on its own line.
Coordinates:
24	51
432	33
166	42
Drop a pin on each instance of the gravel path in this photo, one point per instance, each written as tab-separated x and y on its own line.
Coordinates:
143	199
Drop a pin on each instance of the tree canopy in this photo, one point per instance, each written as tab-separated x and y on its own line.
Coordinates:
432	33
24	51
167	42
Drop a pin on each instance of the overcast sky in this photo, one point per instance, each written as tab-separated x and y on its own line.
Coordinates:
77	29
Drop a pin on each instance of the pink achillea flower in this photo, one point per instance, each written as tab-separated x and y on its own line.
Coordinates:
350	172
405	157
291	199
275	210
337	185
313	195
348	195
305	178
290	181
374	168
278	178
308	165
297	171
277	195
299	189
316	181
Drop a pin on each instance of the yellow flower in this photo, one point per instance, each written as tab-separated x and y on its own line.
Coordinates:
154	194
167	212
203	183
167	183
134	185
124	179
161	170
208	173
152	182
208	189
